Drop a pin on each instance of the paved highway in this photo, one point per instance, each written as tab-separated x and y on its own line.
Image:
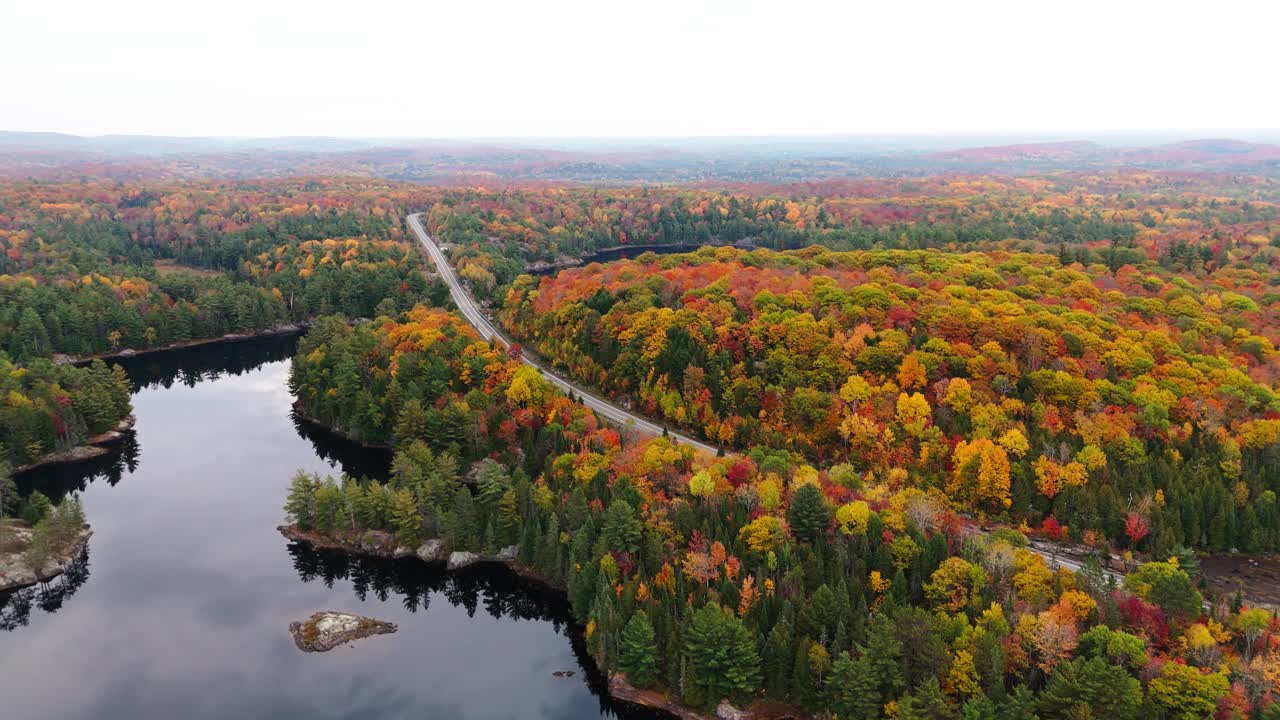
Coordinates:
472	313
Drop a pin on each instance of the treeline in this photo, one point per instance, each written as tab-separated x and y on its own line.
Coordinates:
100	314
1113	219
96	269
760	578
49	408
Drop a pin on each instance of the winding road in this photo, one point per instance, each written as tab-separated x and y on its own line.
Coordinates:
612	413
467	306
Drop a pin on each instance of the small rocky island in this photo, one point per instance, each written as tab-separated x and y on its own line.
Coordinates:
328	629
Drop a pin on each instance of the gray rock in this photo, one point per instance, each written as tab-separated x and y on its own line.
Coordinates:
459	560
328	629
15	572
431	551
402	552
510	552
725	711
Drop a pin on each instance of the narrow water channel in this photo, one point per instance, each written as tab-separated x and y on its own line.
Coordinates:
181	607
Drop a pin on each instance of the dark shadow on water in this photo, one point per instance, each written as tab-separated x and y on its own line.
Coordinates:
193	365
16	605
187	366
62	479
488	587
349	456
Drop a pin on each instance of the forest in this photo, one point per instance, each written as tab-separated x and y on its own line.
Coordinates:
93	269
1008	382
915	381
759	577
1188	222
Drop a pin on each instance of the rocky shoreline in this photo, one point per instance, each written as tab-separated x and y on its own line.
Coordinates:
377	543
15	573
95	446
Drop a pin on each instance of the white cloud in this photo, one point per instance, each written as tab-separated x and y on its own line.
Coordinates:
586	67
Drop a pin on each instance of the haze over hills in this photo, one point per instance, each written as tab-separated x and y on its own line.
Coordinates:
732	159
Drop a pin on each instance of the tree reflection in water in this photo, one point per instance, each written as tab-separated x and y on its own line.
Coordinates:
489	586
16	606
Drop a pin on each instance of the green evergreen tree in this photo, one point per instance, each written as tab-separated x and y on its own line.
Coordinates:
723	660
300	505
927	703
808	515
884	657
622	529
405	518
852	689
508	519
1090	688
638	651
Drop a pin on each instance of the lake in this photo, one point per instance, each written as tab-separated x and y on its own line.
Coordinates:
182	606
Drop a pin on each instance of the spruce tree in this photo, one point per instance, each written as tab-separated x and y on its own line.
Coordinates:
852	689
927	703
723	660
405	518
776	660
508	519
638	652
300	504
808	514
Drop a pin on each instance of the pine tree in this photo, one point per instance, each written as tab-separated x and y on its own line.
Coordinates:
884	656
803	689
852	690
776	660
300	504
927	703
508	519
723	660
405	518
638	652
411	423
329	505
622	529
808	514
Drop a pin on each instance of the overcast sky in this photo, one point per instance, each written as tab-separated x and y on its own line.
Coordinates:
468	68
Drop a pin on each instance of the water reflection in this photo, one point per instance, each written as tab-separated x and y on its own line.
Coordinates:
501	593
62	479
187	609
351	457
16	606
201	363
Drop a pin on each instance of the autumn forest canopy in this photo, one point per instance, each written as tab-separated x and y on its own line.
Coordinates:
918	381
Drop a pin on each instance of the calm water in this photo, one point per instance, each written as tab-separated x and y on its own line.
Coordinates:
181	608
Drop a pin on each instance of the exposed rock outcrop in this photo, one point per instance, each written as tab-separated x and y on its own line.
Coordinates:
459	560
15	568
328	629
431	551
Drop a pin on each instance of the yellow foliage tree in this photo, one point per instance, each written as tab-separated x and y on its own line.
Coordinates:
980	475
852	517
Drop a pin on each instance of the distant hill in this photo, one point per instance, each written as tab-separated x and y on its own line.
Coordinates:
727	160
1204	154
